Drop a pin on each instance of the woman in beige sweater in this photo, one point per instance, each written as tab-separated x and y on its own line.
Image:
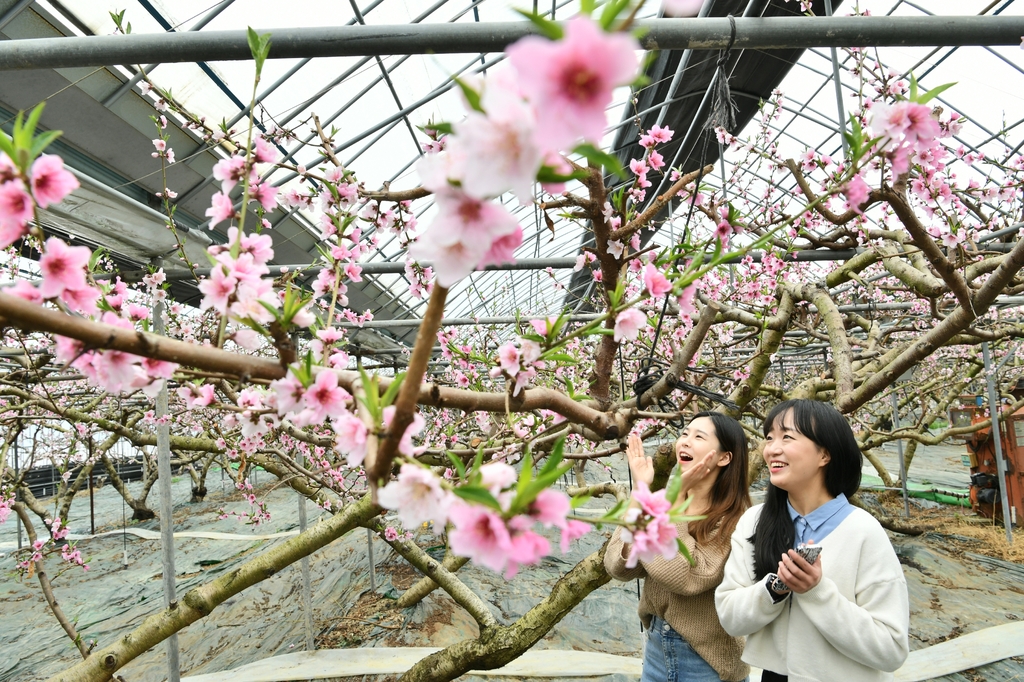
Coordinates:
684	642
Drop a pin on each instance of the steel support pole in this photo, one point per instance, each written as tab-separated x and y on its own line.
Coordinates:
307	592
839	92
163	458
899	449
17	492
658	34
994	412
369	552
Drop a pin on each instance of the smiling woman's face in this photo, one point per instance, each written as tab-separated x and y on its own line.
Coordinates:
696	440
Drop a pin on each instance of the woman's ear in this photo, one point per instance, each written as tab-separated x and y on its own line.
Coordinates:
725	459
825	457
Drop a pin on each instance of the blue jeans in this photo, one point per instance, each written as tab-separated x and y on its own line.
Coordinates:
670	658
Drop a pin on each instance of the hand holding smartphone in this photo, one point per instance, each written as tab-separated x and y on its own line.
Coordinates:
809	552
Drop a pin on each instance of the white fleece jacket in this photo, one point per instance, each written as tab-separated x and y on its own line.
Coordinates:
851	626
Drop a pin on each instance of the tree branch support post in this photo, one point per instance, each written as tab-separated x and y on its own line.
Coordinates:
307	592
899	449
163	457
994	412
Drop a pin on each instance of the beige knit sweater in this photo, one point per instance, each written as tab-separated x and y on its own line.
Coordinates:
684	597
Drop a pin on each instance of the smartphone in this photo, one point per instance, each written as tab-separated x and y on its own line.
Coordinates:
809	553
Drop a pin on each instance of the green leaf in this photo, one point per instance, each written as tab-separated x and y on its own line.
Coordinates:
579	500
478	461
393	389
471	95
259	46
460	468
934	92
611	12
548	175
601	158
555	458
675	484
547	28
913	88
684	551
479	495
442	128
548	477
6	145
94	259
560	357
371	393
525	474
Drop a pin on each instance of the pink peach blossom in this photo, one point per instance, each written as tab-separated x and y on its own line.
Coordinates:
15	212
324	398
570	82
628	324
418	497
50	182
550	508
573	530
405	445
63	267
221	209
350	437
217	290
655	282
480	534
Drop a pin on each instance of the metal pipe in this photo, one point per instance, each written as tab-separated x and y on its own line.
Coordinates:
659	34
994	412
393	268
163	457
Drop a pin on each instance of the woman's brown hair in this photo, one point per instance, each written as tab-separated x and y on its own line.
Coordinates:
730	496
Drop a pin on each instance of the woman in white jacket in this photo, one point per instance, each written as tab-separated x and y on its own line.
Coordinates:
846	615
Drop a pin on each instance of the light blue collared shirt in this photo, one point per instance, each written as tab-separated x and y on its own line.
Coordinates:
819	523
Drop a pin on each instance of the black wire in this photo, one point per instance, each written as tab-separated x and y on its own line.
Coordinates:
651	369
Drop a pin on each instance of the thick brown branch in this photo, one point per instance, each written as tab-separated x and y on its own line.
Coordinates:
378	467
643	220
873	197
947	271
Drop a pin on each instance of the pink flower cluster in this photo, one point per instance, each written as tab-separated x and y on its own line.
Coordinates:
49	183
654	533
652	160
908	130
519	362
239	169
553	95
483	534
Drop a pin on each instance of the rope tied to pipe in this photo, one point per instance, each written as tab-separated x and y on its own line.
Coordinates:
723	106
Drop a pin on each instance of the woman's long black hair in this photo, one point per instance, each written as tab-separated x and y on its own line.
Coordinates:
730	496
824	425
